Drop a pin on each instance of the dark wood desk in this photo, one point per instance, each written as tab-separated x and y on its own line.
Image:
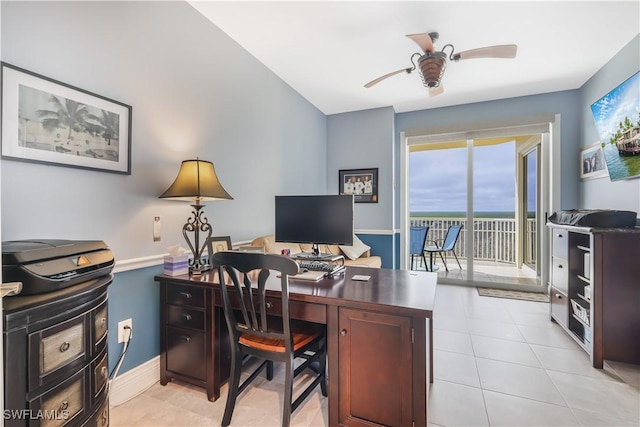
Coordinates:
379	339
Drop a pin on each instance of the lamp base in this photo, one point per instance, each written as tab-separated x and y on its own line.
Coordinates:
198	270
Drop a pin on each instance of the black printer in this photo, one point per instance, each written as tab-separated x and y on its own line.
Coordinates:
48	265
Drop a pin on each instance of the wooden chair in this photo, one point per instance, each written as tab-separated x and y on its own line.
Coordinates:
417	240
261	329
449	244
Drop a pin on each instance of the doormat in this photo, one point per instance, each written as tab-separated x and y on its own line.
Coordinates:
503	293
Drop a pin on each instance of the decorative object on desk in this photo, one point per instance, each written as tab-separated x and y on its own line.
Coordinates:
50	122
177	262
197	181
218	244
592	163
616	119
521	295
361	183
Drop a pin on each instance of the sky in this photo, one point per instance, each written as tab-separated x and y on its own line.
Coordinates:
438	179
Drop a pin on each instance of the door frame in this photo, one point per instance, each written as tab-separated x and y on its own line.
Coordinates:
547	125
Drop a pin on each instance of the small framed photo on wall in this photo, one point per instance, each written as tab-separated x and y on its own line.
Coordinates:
592	162
361	183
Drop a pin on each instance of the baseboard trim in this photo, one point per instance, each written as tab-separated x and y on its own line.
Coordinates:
133	382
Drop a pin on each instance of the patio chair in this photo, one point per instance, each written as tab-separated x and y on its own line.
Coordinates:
450	240
417	240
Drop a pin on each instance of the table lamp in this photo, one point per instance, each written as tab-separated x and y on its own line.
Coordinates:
196	181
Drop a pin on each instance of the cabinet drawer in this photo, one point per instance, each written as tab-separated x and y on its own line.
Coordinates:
559	306
560	274
185	295
100	324
101	417
186	352
560	243
61	347
100	375
62	405
185	317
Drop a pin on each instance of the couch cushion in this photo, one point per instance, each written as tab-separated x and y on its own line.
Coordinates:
365	261
271	246
356	250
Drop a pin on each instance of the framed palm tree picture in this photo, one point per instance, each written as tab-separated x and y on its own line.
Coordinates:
50	122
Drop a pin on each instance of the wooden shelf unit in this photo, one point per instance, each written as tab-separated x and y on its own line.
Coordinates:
604	262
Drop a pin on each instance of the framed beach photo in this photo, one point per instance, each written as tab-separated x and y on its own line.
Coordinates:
361	183
50	122
592	162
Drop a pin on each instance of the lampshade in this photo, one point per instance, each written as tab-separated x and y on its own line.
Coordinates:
196	180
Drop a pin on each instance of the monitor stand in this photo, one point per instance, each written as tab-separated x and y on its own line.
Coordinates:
315	255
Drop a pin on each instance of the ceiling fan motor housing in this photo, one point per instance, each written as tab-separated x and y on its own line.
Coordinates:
432	66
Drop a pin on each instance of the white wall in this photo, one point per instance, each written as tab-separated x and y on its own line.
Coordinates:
603	193
194	92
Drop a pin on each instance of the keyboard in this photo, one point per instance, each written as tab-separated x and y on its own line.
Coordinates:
317	266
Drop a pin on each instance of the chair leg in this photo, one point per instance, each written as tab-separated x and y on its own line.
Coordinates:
269	370
323	367
288	392
411	268
454	254
443	261
234	383
424	259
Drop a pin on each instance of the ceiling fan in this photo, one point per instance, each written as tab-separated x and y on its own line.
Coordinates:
431	64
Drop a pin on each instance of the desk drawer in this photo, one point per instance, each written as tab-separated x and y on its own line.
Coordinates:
185	295
100	375
299	310
100	324
186	352
185	317
61	404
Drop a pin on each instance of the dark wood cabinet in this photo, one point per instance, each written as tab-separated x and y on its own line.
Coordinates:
375	363
55	357
190	331
595	290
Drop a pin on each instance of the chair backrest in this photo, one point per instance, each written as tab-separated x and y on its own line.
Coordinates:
417	239
245	303
452	237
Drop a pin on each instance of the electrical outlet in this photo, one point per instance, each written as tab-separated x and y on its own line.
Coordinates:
123	333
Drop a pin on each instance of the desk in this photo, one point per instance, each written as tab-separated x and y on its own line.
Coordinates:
382	326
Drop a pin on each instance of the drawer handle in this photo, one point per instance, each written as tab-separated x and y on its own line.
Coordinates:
103	322
186	338
269	305
104	372
64	406
560	266
186	316
343	332
559	296
187	295
105	417
64	347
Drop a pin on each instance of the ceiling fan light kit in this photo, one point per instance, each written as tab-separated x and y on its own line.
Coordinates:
432	66
431	63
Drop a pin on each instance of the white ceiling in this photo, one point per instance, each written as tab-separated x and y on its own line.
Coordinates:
328	50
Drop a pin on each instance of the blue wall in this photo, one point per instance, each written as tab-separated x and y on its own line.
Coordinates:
134	295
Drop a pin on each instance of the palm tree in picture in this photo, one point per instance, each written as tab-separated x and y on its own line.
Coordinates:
110	123
68	114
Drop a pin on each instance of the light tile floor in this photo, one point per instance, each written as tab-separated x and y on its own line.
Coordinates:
497	362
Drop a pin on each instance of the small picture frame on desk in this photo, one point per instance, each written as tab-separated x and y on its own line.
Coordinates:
218	244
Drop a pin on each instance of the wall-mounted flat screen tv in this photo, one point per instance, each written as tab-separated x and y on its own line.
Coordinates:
617	118
315	220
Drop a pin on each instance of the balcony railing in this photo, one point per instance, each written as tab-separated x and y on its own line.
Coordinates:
494	239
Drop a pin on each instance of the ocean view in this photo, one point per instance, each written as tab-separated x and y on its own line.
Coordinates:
445	214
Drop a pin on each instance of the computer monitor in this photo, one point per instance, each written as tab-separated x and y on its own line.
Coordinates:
315	220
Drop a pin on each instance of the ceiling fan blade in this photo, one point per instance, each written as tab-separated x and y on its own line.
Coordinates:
500	51
423	40
435	91
381	78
